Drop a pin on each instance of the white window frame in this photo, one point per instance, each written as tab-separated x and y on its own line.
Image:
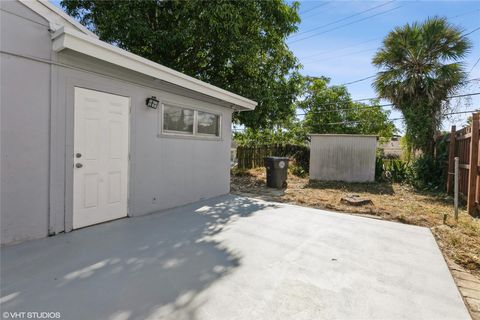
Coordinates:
183	133
195	133
195	124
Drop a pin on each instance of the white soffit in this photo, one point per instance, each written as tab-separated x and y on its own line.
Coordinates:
65	38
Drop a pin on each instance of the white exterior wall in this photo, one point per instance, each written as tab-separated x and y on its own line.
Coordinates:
24	114
336	157
37	127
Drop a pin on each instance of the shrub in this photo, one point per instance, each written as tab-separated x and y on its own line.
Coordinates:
396	170
391	156
301	155
297	170
427	172
379	169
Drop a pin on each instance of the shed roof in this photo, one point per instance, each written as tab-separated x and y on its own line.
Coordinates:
69	34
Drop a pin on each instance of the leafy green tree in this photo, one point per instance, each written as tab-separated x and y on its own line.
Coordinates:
330	109
294	133
238	45
420	67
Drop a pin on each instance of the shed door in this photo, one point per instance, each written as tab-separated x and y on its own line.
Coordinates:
100	179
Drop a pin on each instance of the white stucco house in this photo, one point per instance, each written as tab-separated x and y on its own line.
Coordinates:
80	145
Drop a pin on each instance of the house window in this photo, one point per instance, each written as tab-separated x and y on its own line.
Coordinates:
208	123
188	121
177	119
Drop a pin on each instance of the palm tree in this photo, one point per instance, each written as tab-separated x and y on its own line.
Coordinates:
419	68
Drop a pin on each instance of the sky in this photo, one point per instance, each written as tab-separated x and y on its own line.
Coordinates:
343	50
338	39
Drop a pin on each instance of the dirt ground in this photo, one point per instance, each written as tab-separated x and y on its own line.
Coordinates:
459	241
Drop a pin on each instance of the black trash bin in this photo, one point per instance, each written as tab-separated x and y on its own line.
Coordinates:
277	170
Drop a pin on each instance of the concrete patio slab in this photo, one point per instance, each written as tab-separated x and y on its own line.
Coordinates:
234	258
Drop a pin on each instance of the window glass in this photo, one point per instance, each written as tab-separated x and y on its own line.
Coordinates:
208	123
178	119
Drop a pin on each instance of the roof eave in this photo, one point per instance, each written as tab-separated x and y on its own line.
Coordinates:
52	13
71	39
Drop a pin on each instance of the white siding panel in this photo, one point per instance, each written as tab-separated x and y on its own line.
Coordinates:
343	158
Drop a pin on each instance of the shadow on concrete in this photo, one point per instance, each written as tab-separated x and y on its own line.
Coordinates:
352	187
150	266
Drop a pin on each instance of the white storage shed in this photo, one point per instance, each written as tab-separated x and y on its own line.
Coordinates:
342	157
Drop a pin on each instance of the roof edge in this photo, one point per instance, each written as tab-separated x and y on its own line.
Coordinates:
65	38
48	11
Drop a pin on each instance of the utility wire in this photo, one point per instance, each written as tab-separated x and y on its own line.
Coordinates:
347	109
464	14
376	106
342	55
394	119
333	57
316	7
343	19
474	65
476	29
366	78
356	100
363	121
359	80
320	53
345	25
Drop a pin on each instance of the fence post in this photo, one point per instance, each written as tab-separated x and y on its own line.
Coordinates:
239	156
472	172
455	189
451	157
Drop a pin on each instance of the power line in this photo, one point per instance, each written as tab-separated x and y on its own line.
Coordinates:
349	109
474	65
394	119
476	29
339	49
345	25
343	19
372	76
333	57
376	106
356	100
464	14
316	7
363	42
363	121
359	80
320	53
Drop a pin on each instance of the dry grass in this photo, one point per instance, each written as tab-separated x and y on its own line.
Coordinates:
458	241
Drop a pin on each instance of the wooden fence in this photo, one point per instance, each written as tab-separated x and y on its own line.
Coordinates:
252	156
464	144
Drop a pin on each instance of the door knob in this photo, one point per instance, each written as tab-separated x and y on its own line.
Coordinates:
78	165
78	155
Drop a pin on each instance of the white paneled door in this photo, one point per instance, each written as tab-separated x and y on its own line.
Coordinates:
100	159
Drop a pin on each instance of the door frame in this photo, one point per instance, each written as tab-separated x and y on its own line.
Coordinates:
72	156
101	86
